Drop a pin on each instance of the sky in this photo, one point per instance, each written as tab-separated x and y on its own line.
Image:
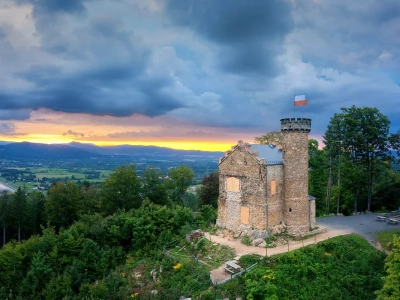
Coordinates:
191	74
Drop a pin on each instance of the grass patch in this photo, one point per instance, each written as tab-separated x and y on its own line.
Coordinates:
386	236
212	254
246	240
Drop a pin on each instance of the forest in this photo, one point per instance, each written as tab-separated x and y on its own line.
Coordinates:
118	240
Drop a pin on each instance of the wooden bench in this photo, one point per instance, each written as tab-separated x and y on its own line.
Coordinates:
394	220
386	216
232	267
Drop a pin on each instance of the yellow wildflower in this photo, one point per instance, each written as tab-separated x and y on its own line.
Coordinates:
122	274
134	295
177	266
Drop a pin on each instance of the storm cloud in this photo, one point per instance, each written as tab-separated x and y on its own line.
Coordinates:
249	35
230	65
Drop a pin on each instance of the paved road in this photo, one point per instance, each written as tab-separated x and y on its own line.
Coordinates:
363	224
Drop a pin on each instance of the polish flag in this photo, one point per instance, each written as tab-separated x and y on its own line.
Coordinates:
300	100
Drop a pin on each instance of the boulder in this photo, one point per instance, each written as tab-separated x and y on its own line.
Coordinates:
258	234
194	235
262	245
237	234
257	242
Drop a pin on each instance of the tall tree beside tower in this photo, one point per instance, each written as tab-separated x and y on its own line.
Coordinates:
362	136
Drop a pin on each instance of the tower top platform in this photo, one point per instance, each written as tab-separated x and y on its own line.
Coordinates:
296	124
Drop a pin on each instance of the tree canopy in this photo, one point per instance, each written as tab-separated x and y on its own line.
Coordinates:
121	190
181	178
270	138
360	136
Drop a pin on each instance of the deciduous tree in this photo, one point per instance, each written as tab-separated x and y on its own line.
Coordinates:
209	190
363	135
153	185
89	198
121	190
273	137
181	178
62	205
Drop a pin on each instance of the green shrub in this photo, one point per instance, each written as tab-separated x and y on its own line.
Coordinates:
246	261
246	240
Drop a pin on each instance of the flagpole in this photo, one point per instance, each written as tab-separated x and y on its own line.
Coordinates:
294	109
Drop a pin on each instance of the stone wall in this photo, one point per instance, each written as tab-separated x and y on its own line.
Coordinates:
275	201
251	171
295	165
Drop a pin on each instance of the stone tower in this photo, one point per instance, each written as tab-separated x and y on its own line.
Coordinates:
295	168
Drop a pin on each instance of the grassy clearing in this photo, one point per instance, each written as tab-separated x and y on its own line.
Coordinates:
386	236
212	254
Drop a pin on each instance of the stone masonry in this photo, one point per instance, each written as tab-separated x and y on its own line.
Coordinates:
266	188
295	158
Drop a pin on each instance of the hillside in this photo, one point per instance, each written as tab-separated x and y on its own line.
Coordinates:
27	150
74	150
142	150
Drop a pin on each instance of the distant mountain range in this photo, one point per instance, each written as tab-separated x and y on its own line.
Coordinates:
140	150
74	150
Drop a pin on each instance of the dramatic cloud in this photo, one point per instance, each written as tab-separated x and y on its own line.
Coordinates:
186	69
248	34
96	66
14	114
8	129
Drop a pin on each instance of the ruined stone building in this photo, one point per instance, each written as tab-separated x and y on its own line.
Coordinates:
264	187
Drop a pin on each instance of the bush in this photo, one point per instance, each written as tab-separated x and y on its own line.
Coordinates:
246	240
247	260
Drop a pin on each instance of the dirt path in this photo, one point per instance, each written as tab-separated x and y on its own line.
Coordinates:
241	249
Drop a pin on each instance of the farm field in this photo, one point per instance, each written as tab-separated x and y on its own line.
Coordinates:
32	177
66	172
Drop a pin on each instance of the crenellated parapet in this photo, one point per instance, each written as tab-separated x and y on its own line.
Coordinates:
296	124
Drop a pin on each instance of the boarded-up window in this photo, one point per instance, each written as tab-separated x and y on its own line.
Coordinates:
273	186
245	215
232	184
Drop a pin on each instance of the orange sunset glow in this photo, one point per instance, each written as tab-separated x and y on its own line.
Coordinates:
180	145
51	127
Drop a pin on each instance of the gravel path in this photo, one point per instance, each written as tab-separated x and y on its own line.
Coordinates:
364	225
